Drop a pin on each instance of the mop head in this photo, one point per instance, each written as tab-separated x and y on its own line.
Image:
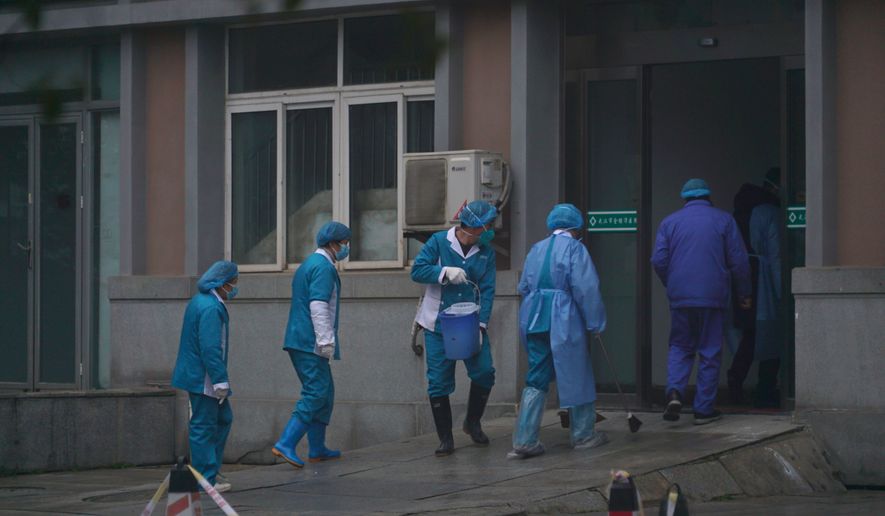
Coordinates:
634	422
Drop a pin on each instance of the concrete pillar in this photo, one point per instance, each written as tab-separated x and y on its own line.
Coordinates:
449	85
204	147
534	117
820	139
132	149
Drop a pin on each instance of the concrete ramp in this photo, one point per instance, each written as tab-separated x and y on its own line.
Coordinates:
741	455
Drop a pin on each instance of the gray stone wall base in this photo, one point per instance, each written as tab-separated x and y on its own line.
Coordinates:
854	438
839	358
60	431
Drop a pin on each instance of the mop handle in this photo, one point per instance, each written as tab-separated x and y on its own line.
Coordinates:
612	369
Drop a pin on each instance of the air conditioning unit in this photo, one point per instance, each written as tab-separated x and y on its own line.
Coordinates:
439	184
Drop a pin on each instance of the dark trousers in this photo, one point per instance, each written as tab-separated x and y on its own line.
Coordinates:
743	360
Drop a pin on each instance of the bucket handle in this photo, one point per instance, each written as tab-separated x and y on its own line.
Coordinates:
476	293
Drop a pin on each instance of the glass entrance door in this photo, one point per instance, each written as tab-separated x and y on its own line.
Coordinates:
603	142
39	223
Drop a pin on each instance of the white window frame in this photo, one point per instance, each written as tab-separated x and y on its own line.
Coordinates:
228	184
339	97
333	103
345	180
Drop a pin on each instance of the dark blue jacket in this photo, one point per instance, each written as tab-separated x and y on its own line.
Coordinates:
698	252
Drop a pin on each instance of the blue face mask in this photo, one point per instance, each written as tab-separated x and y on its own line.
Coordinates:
232	293
342	253
486	237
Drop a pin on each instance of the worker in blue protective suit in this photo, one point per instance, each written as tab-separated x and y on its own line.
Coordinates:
698	254
311	341
448	263
201	369
758	216
561	302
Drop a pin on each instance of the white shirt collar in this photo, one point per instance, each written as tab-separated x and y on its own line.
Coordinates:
218	297
456	245
563	232
326	254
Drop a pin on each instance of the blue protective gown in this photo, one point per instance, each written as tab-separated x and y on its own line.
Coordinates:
315	280
202	353
765	223
564	305
443	250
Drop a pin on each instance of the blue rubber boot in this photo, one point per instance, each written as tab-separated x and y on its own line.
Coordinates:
316	438
285	447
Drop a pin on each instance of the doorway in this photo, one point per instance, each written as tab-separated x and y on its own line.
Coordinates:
633	135
40	231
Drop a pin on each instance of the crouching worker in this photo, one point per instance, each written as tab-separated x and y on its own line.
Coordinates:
560	304
201	369
311	341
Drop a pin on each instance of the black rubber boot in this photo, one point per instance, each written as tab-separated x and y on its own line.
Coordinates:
476	405
442	418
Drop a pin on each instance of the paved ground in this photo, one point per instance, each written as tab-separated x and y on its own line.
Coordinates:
404	477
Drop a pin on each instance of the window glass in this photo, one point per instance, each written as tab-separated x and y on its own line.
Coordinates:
277	57
254	187
419	124
419	138
389	48
28	74
308	179
106	72
373	181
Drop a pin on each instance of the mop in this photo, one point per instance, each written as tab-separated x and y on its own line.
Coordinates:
632	420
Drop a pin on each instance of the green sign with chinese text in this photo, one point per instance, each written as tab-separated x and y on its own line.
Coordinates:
796	217
611	221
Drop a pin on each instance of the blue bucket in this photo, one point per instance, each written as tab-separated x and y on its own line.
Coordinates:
460	330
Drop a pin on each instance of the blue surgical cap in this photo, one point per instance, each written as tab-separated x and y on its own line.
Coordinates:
565	216
695	188
478	214
217	275
332	232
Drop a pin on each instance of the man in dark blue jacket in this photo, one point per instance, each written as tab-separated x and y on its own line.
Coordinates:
698	254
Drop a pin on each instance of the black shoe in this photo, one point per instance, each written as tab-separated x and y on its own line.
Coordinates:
442	418
476	405
674	406
703	419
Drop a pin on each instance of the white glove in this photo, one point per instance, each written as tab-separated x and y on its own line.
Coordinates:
326	351
221	393
455	275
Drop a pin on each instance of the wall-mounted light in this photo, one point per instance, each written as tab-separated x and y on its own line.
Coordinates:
708	42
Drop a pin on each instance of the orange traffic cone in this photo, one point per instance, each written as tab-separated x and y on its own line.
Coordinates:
184	492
